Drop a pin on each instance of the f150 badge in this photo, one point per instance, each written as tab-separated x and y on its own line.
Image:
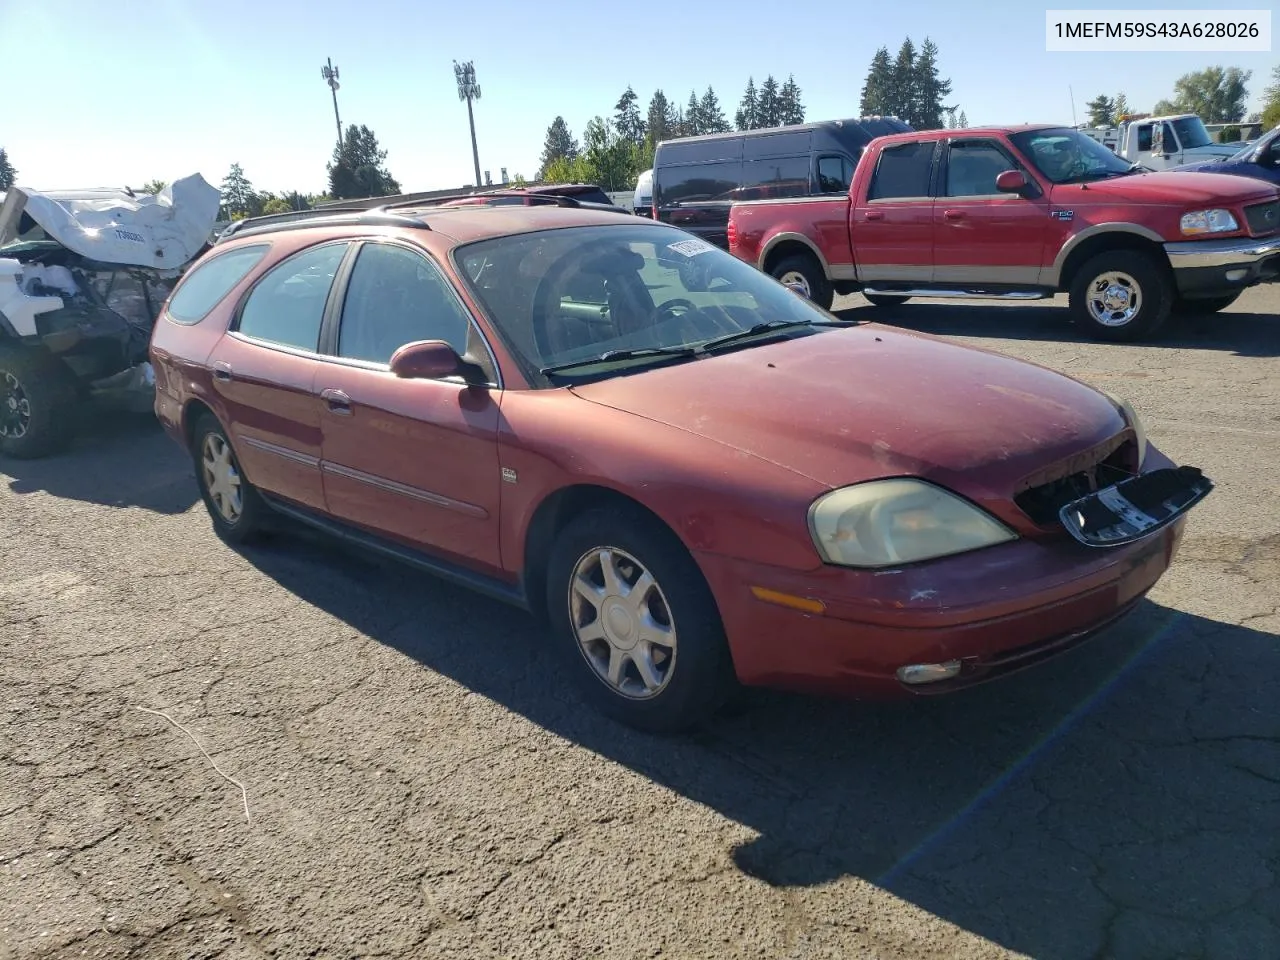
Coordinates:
1062	214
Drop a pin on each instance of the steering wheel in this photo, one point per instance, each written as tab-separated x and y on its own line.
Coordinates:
673	309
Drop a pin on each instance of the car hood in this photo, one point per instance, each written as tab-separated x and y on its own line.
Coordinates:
1168	187
848	405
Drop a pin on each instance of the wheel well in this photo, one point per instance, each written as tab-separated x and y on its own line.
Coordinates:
788	248
552	516
1105	243
191	415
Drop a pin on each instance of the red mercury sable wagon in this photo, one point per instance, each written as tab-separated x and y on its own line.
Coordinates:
690	473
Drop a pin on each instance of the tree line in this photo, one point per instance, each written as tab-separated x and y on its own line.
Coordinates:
910	87
1214	94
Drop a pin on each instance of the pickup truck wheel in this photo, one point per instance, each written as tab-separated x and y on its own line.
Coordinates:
1189	307
805	271
884	299
1121	295
37	400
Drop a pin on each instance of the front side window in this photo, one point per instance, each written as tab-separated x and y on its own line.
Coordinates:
972	168
1064	155
568	295
396	296
204	287
287	305
903	172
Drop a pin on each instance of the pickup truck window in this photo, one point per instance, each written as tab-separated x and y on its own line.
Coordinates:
834	174
1064	155
1144	138
972	168
903	171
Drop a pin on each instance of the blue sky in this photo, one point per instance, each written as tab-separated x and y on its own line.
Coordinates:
107	94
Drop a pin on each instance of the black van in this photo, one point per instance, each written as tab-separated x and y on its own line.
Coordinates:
695	179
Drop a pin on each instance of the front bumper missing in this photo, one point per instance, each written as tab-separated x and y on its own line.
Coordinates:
1135	508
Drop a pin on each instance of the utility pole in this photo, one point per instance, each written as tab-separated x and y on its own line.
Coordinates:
330	74
468	90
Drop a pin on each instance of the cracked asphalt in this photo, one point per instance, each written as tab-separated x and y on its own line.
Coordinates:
420	782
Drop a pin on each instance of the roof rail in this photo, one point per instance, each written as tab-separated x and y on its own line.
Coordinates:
549	198
331	216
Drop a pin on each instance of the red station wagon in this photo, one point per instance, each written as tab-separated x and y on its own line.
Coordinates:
692	475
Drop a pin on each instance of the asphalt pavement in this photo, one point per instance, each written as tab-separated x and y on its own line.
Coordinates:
395	769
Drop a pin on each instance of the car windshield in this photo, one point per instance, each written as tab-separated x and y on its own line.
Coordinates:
1191	132
1069	156
641	292
1247	152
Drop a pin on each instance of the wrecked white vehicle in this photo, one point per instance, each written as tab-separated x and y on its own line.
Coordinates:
83	275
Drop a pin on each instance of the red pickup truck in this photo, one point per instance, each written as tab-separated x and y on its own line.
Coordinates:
1020	213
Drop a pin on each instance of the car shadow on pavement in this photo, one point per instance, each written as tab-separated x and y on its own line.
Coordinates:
1243	334
159	478
1120	801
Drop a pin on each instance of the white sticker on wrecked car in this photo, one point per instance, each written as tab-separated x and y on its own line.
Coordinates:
690	248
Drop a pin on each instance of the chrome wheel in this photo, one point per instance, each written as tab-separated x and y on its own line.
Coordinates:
796	278
221	478
622	623
15	408
1114	299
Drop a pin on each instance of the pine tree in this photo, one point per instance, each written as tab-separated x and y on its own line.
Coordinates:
237	192
1102	110
878	89
770	113
790	109
905	97
559	143
627	120
1120	107
7	173
358	168
963	122
711	115
748	115
693	116
931	90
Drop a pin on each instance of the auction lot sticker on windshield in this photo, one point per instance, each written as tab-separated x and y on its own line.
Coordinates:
690	248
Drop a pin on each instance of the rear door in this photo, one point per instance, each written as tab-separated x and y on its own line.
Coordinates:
264	370
892	229
412	460
980	234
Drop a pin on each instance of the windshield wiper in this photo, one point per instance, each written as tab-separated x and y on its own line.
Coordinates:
612	355
761	329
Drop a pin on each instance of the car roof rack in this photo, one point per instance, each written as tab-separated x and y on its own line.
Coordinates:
327	216
548	198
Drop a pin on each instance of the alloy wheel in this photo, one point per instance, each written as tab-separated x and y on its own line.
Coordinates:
15	408
1114	299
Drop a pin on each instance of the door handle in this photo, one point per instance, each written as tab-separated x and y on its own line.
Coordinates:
874	215
338	401
221	371
953	214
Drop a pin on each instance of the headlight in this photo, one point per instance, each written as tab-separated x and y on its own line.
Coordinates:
887	522
1135	422
1208	221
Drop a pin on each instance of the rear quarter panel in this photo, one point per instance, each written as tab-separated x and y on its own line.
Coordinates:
821	223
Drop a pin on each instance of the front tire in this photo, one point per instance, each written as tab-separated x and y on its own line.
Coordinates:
884	299
804	270
237	510
1121	295
37	403
636	623
1189	307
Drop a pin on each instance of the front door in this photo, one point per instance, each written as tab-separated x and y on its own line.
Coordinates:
264	370
893	231
412	460
983	236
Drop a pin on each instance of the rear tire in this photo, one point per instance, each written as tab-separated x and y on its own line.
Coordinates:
237	510
884	299
37	403
1188	307
1121	295
804	269
656	660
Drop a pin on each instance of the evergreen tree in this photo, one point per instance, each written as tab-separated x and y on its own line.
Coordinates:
930	89
627	120
878	89
1102	110
790	109
237	193
358	169
749	108
693	116
710	114
662	120
559	143
7	173
1120	108
769	112
904	98
963	122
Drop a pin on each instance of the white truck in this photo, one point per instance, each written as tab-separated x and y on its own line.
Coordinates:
1162	143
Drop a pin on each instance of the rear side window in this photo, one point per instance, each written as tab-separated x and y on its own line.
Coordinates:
774	177
903	172
699	182
202	288
834	174
287	305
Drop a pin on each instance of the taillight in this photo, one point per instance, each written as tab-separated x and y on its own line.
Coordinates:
733	234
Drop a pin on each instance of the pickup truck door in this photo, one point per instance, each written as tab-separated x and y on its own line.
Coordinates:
983	236
892	231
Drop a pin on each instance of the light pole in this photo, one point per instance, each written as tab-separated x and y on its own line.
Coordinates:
330	74
469	90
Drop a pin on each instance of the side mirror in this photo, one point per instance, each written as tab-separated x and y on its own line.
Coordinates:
1011	181
798	289
431	360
